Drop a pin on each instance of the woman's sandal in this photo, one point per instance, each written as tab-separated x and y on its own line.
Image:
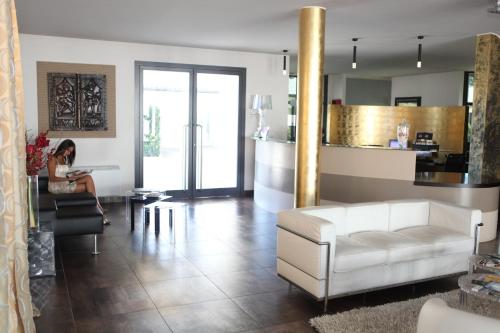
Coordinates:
106	221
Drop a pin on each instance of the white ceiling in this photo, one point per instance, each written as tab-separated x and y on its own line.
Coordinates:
387	28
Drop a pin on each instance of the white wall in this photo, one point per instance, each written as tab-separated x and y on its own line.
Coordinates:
436	89
359	91
336	87
264	75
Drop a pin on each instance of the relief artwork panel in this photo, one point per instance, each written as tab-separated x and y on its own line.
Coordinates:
76	100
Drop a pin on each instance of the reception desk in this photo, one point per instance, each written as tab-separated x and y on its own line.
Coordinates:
360	174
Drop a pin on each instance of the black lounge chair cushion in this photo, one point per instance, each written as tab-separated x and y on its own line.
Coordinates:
77	211
75	199
78	220
47	201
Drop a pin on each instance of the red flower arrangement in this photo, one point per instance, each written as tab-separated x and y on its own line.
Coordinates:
36	153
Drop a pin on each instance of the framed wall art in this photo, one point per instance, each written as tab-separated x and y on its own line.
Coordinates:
408	101
76	100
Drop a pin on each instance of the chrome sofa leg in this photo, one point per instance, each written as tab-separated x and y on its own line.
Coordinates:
327	280
96	251
476	237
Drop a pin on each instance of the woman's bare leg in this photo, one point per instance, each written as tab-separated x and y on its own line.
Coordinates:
86	184
89	184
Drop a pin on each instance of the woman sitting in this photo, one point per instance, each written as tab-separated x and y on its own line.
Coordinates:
60	182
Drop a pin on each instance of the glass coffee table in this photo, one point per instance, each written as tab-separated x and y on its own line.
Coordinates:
486	262
470	284
468	287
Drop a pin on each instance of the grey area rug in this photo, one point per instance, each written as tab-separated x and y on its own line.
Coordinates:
398	317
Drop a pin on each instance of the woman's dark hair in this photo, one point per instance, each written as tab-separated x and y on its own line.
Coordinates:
65	145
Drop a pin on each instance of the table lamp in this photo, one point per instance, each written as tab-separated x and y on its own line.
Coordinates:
260	103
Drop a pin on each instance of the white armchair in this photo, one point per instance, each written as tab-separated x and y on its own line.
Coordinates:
436	317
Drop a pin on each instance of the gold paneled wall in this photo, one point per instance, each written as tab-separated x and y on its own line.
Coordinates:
357	125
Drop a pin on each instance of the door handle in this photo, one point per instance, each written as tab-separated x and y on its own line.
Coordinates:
199	164
185	162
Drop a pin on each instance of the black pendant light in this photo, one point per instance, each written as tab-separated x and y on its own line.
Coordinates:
354	60
284	61
419	56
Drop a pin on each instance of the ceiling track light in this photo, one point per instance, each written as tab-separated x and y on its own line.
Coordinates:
495	9
354	57
419	56
284	61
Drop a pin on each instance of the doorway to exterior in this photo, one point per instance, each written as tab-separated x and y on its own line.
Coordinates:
190	129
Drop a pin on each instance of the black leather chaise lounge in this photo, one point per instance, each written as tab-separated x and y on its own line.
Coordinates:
70	214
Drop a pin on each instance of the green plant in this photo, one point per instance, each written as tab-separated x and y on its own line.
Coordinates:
152	137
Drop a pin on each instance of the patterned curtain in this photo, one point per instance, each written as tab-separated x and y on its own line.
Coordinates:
16	313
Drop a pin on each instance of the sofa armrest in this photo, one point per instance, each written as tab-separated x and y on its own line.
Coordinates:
457	218
306	243
304	240
313	227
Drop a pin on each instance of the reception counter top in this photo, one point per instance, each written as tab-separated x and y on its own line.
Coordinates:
453	179
335	145
362	174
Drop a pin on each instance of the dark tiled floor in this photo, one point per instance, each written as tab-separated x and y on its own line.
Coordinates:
219	276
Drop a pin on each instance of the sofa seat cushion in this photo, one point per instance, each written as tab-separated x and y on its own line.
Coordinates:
398	246
444	241
351	254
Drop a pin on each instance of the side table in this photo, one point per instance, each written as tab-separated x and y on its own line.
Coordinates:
140	196
41	251
41	261
157	206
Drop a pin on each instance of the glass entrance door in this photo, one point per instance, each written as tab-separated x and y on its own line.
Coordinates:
217	103
191	124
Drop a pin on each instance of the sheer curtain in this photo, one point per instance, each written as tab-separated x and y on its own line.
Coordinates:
16	313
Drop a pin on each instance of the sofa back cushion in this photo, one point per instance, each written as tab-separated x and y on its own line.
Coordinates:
408	213
333	214
367	216
454	217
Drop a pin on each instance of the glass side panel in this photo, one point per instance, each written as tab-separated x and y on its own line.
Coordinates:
217	130
165	131
292	85
470	88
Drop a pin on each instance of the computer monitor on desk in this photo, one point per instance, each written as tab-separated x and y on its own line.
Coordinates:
424	136
423	142
394	144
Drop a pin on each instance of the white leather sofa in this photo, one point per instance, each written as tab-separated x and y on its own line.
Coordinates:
366	246
436	317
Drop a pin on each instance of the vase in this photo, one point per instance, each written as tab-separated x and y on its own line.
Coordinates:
403	133
33	212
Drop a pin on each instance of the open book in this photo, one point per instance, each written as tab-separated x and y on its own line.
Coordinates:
79	173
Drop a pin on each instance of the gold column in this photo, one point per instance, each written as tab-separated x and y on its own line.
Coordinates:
484	160
309	101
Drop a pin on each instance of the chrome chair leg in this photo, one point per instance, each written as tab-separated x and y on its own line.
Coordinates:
96	251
